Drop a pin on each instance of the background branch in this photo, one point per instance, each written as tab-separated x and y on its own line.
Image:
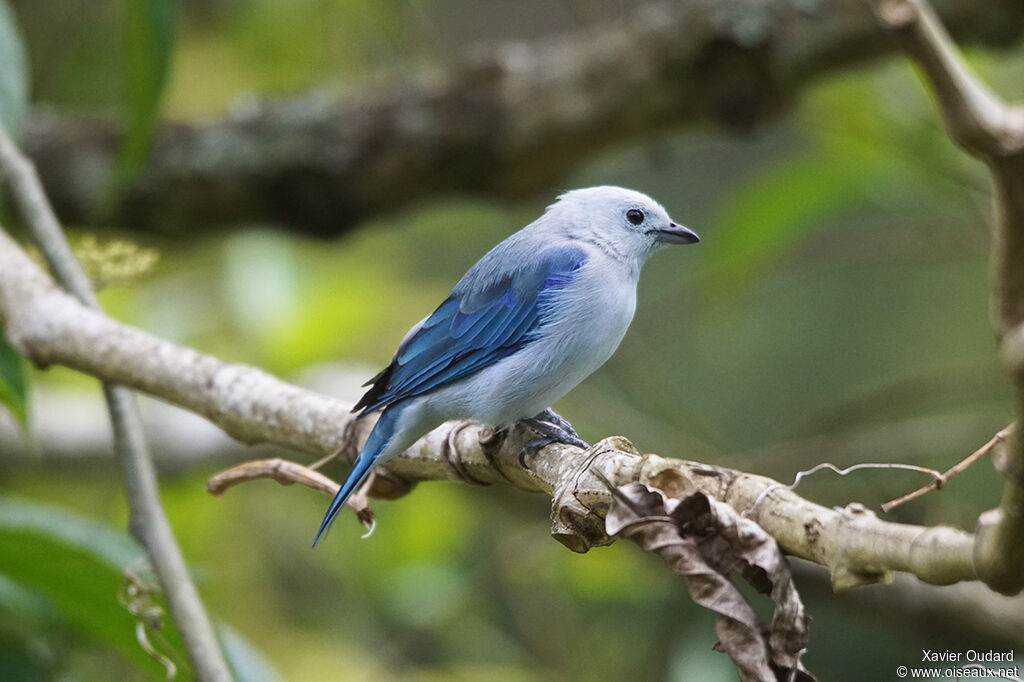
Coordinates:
504	119
994	132
148	521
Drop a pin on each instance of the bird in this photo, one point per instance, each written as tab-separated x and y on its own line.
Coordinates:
526	324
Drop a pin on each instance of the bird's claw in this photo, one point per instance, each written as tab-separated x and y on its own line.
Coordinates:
563	424
532	448
553	428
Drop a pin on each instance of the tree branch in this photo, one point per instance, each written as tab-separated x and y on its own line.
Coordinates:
148	521
992	131
504	119
48	326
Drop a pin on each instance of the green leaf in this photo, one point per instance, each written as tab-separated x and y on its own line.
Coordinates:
80	567
13	72
13	380
149	32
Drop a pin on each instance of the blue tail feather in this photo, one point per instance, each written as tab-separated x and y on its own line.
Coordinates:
379	437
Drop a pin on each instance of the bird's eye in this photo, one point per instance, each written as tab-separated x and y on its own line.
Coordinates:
635	216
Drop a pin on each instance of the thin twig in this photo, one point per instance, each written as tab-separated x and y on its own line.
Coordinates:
147	517
954	470
934	473
136	597
283	471
287	472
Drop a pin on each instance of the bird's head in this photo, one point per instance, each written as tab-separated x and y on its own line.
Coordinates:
629	223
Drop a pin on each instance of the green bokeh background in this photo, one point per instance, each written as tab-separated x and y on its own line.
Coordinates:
835	311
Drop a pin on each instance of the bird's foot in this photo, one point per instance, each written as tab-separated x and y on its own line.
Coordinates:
553	425
552	428
558	420
532	448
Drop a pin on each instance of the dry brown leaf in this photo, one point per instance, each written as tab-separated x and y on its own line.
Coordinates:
706	541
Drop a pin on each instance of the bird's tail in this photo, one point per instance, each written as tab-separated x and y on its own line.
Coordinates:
379	438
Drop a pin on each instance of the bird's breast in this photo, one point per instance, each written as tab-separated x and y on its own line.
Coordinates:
583	325
589	317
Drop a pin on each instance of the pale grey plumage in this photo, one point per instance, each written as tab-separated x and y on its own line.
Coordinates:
526	324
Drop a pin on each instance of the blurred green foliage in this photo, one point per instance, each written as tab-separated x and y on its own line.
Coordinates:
149	28
13	380
13	72
13	103
58	574
75	566
835	311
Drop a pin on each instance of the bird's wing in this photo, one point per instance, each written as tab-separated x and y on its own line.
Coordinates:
490	314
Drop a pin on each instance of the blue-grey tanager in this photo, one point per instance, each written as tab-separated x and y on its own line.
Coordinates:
526	324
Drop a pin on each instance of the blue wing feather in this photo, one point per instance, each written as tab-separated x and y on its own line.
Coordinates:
488	316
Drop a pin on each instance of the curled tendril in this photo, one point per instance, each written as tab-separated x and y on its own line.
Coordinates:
137	596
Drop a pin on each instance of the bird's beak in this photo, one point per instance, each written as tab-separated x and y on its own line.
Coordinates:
676	234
